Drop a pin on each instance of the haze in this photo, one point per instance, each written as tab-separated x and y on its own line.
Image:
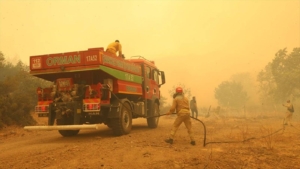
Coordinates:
197	43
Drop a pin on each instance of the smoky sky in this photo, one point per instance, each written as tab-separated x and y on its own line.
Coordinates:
197	43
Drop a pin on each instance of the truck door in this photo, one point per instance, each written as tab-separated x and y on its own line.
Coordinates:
151	82
155	83
146	82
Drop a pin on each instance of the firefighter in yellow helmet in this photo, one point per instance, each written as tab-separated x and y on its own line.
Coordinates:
181	105
114	48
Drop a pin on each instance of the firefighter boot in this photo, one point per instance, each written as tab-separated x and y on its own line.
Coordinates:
170	141
193	143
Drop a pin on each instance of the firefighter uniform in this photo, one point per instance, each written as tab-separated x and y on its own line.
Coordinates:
114	48
181	105
288	113
194	109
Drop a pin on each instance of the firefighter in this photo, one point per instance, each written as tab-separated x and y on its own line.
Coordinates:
181	105
193	107
289	113
115	47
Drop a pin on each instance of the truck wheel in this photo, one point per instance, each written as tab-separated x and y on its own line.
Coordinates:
153	121
66	121
123	124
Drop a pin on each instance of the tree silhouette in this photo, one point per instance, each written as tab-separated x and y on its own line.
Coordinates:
231	94
280	78
17	94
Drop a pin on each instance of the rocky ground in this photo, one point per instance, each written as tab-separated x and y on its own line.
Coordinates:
268	145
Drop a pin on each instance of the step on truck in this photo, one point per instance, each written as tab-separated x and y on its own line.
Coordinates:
91	88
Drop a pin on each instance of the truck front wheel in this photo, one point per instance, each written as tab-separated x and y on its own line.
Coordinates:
153	120
66	121
123	124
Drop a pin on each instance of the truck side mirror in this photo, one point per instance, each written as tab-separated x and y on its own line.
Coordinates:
163	79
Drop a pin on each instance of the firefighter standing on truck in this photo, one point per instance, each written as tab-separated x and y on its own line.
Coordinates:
181	105
114	48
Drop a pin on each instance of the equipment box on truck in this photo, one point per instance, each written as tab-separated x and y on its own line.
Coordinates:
93	87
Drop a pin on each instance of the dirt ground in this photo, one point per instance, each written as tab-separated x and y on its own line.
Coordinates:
145	148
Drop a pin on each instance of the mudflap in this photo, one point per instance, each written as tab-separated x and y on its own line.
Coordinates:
120	117
114	109
69	119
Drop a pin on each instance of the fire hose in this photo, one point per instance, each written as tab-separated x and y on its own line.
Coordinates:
204	128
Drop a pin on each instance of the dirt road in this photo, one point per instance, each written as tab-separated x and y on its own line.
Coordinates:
145	148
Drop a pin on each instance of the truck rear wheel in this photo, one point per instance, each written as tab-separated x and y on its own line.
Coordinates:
153	121
123	124
66	121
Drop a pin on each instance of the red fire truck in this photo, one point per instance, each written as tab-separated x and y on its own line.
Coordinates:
93	87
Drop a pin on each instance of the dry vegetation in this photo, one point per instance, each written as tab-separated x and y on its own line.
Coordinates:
267	144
